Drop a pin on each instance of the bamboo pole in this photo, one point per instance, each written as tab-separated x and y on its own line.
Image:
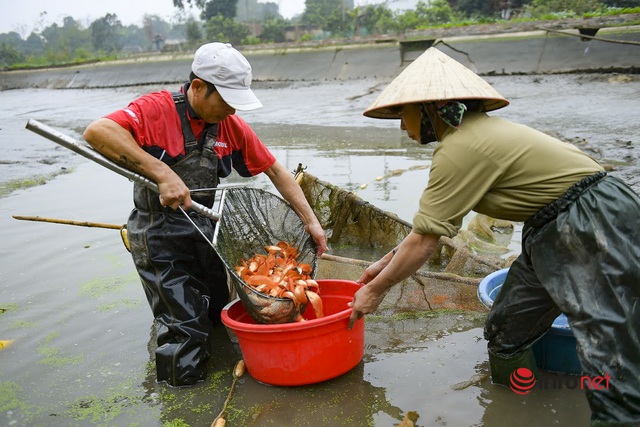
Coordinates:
421	273
238	371
327	257
68	222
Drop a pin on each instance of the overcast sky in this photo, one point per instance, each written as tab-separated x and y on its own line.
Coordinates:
23	15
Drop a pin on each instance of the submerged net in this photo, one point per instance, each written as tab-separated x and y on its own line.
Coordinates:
251	219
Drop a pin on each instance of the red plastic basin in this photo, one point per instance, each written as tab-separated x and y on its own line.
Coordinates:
293	354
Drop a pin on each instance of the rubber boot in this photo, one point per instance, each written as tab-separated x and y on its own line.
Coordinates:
502	367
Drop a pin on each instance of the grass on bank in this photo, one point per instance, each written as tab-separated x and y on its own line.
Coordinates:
551	17
83	57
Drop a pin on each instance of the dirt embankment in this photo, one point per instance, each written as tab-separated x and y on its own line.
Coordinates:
496	49
599	22
489	29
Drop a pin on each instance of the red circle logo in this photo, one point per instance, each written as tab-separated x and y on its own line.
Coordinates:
522	381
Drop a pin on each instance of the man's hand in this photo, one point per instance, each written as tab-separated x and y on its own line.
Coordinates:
292	193
319	236
174	193
118	144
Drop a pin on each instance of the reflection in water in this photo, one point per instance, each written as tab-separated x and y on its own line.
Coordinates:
542	407
419	359
345	401
348	400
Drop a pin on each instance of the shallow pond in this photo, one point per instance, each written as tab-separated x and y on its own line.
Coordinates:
80	325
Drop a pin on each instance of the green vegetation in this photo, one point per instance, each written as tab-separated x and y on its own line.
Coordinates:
97	410
54	356
23	324
12	400
6	307
107	39
33	181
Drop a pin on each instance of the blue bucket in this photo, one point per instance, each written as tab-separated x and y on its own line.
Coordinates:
555	351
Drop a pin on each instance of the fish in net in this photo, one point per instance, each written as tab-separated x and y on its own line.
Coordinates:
250	220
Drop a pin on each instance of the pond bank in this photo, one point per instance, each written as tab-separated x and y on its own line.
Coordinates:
531	52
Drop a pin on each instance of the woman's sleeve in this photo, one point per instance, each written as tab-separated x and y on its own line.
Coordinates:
458	179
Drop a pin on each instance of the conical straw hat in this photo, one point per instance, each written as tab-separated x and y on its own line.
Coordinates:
434	76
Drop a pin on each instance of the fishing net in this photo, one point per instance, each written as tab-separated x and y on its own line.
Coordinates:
251	219
350	221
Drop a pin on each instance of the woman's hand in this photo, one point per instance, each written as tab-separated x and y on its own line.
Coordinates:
365	301
374	269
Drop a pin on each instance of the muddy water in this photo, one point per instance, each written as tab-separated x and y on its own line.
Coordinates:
80	325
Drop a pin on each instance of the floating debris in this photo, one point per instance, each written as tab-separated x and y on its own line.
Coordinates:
475	379
409	419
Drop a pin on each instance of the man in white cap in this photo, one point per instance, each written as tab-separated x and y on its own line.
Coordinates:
580	241
185	142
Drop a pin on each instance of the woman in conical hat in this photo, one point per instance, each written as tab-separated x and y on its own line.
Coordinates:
580	242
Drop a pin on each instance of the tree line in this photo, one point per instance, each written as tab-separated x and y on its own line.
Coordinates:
246	22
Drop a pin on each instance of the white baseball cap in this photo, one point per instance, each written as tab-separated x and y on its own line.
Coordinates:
230	72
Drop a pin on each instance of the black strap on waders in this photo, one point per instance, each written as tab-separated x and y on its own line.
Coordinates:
190	141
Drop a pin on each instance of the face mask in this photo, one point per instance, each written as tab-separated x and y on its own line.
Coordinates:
427	133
